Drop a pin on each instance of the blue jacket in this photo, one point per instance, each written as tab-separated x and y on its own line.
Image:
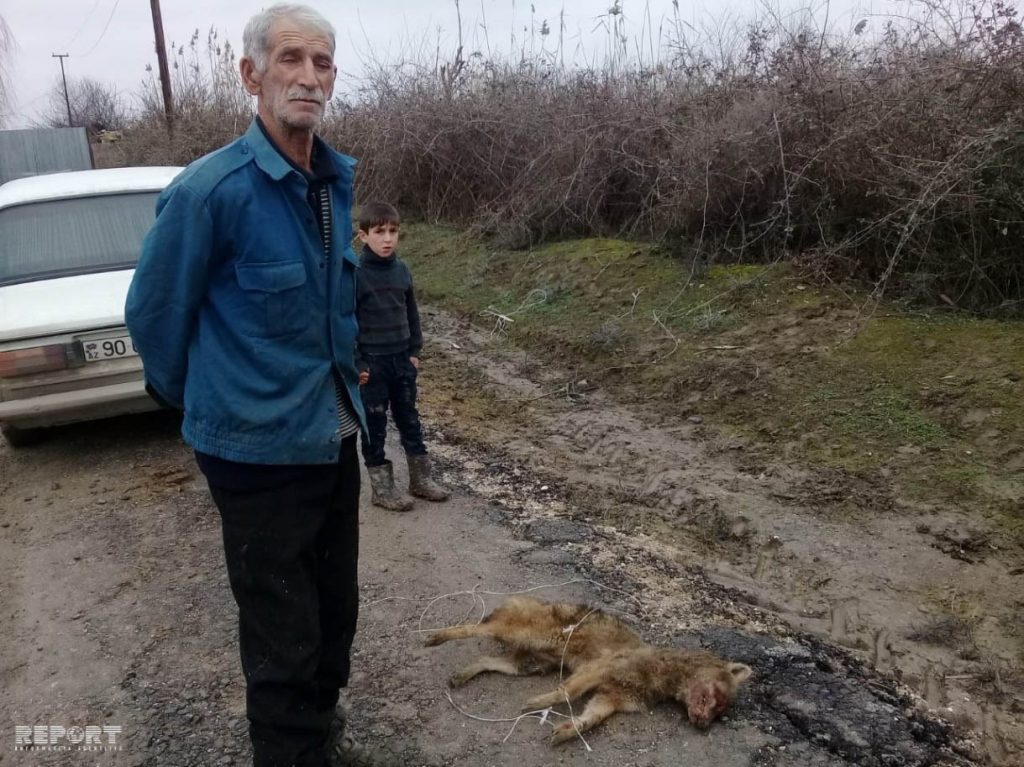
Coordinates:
238	316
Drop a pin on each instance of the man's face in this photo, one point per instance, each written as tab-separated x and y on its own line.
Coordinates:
382	239
298	80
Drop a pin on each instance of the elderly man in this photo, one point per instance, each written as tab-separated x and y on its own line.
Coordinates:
242	308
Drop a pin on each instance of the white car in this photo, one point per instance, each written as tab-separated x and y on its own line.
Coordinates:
68	247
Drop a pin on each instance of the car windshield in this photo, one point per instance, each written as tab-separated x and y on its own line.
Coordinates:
59	238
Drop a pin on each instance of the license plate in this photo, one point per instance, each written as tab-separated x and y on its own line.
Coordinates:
99	349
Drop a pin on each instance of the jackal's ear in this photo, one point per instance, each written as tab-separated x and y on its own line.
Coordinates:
740	671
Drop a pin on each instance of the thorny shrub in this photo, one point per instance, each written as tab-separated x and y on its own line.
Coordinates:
210	106
894	155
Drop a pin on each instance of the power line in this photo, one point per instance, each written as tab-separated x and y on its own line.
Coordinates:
82	25
105	27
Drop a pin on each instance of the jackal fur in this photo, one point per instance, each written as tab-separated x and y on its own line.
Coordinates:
603	657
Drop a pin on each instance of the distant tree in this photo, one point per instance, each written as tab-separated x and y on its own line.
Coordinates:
6	59
95	106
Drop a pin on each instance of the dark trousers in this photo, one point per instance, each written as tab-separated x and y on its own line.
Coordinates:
392	384
291	548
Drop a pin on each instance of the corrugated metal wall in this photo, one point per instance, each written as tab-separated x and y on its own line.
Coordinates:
43	150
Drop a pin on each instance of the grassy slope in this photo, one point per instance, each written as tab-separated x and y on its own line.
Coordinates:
931	404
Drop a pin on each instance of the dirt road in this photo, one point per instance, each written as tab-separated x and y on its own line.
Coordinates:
117	613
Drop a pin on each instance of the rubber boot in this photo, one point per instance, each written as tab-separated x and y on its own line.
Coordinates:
420	483
385	494
343	750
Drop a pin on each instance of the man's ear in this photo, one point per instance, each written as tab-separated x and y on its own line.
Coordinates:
362	236
251	79
330	88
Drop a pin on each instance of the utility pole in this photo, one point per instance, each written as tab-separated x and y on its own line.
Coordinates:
161	57
67	101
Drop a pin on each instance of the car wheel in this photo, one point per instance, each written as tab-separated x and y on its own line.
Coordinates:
20	437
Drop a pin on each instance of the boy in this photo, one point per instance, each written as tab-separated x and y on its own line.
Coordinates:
388	356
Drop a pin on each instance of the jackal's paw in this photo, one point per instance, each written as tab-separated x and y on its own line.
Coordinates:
563	732
459	678
547	700
535	704
434	639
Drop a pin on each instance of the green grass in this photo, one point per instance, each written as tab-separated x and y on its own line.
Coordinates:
934	402
882	416
583	282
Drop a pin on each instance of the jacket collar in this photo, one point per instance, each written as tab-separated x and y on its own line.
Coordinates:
274	164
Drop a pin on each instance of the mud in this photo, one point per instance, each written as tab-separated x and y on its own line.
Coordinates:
117	610
923	593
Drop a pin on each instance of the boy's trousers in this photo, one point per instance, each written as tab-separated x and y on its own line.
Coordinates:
291	548
392	383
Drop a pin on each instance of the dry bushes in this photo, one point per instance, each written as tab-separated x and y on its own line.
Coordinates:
893	154
898	157
210	106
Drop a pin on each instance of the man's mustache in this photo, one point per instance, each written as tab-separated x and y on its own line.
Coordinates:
305	94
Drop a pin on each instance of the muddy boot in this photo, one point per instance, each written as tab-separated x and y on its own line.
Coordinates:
420	482
345	751
385	494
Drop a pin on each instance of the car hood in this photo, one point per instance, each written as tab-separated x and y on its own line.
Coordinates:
63	305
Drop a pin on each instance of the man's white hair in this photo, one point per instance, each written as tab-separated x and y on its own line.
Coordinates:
256	38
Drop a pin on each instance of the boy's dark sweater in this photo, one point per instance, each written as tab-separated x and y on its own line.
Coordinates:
389	322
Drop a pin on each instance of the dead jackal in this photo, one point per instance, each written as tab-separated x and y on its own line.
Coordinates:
605	658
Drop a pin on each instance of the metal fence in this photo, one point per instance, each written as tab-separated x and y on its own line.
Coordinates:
34	151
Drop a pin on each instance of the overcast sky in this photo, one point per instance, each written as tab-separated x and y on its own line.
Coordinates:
112	40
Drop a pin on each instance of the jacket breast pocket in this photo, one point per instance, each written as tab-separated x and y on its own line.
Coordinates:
277	292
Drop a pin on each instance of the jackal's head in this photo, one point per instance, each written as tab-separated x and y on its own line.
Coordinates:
710	690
